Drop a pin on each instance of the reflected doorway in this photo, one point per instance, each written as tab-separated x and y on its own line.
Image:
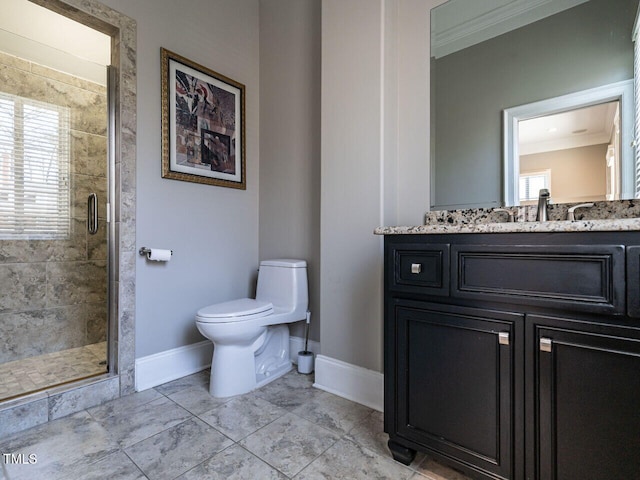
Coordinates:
574	154
573	123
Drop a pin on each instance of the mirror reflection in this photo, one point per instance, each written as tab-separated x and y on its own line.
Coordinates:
599	117
574	154
489	57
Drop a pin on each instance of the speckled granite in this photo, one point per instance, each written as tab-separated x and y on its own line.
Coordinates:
622	215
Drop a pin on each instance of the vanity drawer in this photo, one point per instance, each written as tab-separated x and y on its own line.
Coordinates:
587	278
420	269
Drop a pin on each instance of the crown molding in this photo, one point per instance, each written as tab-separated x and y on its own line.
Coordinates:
490	23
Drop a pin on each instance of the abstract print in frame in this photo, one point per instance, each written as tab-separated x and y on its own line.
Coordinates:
202	124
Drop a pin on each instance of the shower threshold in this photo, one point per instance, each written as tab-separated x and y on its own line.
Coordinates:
29	375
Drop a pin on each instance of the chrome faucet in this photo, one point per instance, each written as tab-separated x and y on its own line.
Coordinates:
571	215
543	203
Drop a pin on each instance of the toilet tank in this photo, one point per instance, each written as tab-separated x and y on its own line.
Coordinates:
283	282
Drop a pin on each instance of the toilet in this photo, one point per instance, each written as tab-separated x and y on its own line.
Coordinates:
250	336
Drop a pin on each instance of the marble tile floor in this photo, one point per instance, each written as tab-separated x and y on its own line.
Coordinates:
285	430
44	371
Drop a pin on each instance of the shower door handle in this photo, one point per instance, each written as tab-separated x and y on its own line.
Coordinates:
92	213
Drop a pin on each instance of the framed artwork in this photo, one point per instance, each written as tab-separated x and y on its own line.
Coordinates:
202	124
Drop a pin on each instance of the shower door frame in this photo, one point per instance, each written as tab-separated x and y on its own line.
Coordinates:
120	379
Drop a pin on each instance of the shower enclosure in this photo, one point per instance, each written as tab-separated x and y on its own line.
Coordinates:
53	227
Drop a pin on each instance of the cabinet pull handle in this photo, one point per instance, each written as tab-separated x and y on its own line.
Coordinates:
545	344
503	338
416	268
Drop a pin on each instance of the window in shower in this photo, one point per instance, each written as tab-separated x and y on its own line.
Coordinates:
34	169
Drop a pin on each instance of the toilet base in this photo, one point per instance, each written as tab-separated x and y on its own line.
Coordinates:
236	370
262	380
272	358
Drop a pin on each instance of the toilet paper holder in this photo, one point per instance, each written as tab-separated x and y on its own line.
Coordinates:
146	250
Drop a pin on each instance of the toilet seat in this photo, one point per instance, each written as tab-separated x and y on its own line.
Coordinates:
235	311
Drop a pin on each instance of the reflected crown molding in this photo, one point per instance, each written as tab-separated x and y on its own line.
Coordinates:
459	24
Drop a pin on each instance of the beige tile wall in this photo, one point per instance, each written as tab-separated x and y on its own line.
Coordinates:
54	292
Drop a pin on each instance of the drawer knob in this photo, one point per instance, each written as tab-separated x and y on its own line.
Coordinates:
416	268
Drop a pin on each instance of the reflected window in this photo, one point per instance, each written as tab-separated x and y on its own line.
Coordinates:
531	184
34	169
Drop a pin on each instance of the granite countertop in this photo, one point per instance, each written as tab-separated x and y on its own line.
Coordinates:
625	224
621	215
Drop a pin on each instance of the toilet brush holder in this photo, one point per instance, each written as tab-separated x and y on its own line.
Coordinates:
305	357
305	362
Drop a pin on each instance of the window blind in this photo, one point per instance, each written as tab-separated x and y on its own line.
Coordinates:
34	169
530	185
636	85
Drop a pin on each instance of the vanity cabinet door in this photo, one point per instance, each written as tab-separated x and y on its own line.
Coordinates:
587	400
455	384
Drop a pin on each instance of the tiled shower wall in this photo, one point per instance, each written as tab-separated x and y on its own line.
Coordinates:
53	293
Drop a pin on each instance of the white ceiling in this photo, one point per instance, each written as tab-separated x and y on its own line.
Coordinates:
53	40
576	128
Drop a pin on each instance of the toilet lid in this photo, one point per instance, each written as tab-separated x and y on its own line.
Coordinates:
235	310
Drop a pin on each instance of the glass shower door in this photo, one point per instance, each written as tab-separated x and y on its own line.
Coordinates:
53	229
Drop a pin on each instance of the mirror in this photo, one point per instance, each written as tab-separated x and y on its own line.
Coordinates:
495	56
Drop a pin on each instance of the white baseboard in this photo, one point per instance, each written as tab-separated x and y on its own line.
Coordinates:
163	367
350	381
159	368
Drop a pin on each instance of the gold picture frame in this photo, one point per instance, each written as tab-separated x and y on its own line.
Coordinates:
203	131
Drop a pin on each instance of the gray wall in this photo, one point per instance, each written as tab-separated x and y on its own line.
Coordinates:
351	182
54	292
375	84
219	235
213	231
375	112
290	140
584	47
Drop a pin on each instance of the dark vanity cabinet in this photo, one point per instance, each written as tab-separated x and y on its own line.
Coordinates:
454	389
515	355
586	385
